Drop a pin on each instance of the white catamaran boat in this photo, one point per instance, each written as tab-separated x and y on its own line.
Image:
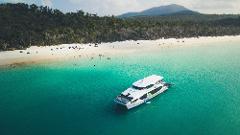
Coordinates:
142	91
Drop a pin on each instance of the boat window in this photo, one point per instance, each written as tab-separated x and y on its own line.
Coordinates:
138	88
141	88
134	100
149	86
143	97
155	90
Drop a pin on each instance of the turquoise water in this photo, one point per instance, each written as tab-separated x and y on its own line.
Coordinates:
76	98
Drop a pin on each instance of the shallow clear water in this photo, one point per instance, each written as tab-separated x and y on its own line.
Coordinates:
76	97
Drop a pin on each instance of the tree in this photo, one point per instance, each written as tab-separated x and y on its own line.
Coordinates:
24	25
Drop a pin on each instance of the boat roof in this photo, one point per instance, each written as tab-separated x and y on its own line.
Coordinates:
147	81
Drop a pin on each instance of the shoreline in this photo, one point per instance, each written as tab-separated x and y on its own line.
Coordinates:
36	54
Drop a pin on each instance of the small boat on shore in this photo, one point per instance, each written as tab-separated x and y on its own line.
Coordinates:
142	91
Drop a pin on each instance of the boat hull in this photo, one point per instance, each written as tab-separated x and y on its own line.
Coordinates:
139	102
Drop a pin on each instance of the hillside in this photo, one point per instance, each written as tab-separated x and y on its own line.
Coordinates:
160	11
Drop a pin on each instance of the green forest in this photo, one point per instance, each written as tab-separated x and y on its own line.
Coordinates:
23	25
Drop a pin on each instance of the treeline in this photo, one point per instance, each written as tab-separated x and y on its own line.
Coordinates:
23	25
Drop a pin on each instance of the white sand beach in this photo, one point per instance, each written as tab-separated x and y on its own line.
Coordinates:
36	54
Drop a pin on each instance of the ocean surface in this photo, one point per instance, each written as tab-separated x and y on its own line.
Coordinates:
76	98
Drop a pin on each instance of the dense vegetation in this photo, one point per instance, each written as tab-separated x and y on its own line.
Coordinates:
23	25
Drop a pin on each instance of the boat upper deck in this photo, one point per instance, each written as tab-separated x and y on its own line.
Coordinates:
153	79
